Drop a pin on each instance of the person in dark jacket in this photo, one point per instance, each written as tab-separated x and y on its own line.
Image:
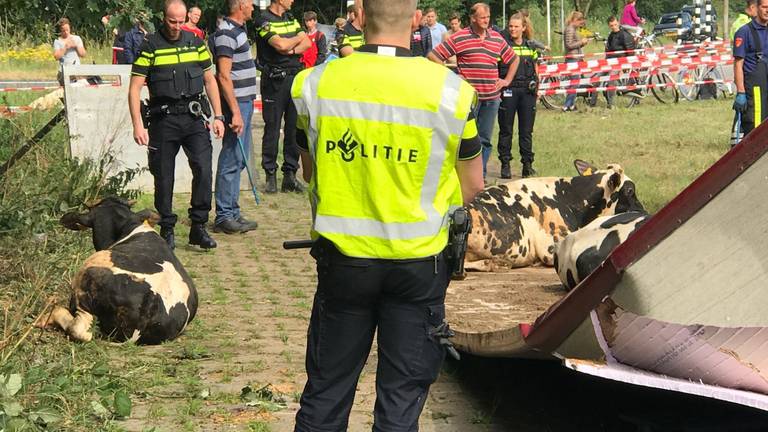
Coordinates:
421	37
620	43
134	38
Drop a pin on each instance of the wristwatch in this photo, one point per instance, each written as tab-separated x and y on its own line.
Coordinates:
219	117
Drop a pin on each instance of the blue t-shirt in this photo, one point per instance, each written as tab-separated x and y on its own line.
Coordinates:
744	46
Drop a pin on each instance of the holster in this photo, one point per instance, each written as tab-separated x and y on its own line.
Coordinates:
458	232
144	111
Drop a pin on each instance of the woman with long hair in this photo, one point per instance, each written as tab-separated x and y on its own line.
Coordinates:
519	98
574	51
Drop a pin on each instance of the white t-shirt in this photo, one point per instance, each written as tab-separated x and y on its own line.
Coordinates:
438	32
70	57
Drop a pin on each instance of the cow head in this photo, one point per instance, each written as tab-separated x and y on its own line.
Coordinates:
619	190
110	218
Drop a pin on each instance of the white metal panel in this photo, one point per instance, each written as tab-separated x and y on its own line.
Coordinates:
98	121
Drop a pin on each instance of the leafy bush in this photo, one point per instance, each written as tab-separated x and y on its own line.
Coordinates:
45	384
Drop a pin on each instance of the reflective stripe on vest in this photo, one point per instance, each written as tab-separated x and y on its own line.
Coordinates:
419	231
524	51
355	41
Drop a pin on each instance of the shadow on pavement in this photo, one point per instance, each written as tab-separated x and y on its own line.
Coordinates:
531	395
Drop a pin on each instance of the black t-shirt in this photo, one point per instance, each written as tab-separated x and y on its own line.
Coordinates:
269	25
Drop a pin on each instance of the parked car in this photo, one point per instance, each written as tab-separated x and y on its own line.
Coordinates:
667	24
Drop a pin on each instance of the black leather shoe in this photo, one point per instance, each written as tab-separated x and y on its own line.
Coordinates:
167	235
528	170
291	184
248	225
228	226
198	236
506	172
271	182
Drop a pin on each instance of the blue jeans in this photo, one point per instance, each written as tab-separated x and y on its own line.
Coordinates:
231	164
570	100
485	115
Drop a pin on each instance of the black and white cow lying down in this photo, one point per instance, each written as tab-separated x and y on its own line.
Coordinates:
134	285
517	224
579	254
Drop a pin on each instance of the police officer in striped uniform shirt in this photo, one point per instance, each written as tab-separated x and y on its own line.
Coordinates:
176	67
353	38
236	74
279	44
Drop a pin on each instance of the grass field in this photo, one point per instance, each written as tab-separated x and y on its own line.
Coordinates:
255	297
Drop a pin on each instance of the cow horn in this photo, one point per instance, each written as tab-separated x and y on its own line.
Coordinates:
92	203
149	216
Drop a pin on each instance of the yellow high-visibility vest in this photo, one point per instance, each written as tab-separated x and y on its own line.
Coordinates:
384	134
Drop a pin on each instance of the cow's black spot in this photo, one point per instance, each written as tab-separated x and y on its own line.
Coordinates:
569	278
502	218
551	249
621	219
626	199
518	197
569	200
524	188
143	253
592	257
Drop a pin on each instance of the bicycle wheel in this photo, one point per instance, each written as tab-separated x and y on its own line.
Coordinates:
663	88
553	102
686	84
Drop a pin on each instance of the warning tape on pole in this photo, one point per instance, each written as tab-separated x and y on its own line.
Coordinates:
712	45
635	62
616	76
629	87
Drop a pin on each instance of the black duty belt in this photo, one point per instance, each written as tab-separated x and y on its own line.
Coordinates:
174	107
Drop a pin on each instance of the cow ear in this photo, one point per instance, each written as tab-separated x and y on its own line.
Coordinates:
148	216
584	168
76	221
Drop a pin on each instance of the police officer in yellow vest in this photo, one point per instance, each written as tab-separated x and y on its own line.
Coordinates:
387	164
279	46
176	66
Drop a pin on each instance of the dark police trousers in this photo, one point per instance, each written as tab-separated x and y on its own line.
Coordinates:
756	86
403	301
167	133
277	104
523	104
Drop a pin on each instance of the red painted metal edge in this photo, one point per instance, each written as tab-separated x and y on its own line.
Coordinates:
563	317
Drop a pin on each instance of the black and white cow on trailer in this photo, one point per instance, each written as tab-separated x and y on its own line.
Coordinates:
579	254
134	284
517	224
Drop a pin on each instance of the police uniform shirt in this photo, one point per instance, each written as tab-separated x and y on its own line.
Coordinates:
526	70
470	146
352	37
170	66
269	25
744	47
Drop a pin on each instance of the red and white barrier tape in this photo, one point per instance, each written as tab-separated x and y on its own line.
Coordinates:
718	45
623	88
616	76
56	87
635	62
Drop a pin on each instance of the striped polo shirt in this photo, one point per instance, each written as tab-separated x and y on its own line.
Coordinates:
231	40
478	59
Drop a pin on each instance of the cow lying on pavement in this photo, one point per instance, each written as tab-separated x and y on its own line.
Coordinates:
516	224
577	255
134	285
